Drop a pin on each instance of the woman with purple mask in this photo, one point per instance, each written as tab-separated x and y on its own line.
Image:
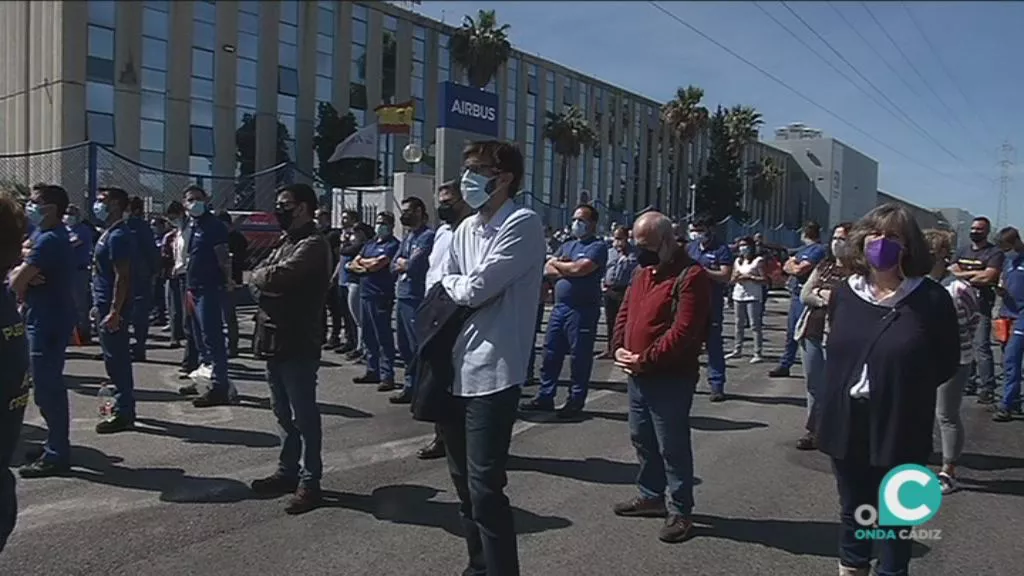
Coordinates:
893	340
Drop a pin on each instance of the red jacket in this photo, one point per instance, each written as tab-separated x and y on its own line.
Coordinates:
667	346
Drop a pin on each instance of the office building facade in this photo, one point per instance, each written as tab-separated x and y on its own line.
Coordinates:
209	88
831	182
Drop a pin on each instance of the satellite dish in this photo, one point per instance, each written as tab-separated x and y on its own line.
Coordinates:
412	153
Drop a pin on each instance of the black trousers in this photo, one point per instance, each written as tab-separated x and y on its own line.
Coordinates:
332	309
477	438
612	303
12	413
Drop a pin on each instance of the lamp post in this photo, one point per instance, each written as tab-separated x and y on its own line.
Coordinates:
693	202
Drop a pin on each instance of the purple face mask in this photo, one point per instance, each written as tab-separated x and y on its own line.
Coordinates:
883	253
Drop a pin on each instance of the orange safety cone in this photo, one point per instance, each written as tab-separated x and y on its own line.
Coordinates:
76	339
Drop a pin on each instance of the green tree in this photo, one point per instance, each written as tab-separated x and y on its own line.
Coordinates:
687	118
569	132
767	177
743	125
245	145
332	129
480	47
720	190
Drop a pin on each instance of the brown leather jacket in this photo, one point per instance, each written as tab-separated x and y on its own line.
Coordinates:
293	282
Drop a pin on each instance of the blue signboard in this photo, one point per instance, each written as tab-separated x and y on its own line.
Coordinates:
469	109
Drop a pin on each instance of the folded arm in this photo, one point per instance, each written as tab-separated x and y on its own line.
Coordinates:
310	255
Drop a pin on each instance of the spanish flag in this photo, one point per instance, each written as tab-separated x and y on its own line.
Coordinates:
395	118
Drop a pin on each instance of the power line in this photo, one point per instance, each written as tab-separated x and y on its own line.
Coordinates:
1007	162
924	80
799	94
942	65
895	72
856	70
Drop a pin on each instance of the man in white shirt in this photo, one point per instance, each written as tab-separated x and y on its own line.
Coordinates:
495	266
451	211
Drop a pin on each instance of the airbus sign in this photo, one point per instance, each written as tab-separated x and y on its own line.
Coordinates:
469	109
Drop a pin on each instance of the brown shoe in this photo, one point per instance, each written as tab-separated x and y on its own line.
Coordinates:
676	529
640	507
305	499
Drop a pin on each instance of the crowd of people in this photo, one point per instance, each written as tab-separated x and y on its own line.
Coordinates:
893	326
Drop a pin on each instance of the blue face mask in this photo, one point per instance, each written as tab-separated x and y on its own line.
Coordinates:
580	229
476	189
383	230
197	208
34	213
100	210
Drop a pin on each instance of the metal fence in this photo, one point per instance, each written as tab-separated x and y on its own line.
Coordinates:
83	168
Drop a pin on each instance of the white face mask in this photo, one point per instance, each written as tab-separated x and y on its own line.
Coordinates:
837	245
696	236
476	189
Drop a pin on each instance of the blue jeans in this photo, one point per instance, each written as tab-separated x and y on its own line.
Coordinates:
984	376
117	359
142	305
81	294
231	320
176	307
796	308
407	345
208	333
533	353
1013	354
477	435
814	372
570	330
858	482
659	426
378	339
160	299
46	346
293	396
716	351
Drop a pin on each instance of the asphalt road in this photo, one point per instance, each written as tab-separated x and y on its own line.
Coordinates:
171	498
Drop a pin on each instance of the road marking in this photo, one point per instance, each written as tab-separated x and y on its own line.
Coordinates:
94	506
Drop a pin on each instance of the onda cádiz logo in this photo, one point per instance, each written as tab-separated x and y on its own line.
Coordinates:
474	110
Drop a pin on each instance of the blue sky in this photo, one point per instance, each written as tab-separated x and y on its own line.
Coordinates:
633	45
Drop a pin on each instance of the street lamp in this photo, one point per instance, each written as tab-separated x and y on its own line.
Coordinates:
693	202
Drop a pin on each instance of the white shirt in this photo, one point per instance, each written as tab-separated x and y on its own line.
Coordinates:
860	287
747	290
180	250
437	262
495	266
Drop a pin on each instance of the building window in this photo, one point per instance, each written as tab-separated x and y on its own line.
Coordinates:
99	86
389	51
444	59
325	54
287	70
204	25
511	105
419	52
357	73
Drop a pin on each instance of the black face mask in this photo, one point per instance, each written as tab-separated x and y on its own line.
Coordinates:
978	237
647	257
284	218
406	219
446	213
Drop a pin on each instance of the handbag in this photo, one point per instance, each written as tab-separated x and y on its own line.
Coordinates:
1001	328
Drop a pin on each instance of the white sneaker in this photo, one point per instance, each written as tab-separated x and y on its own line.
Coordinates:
847	571
732	355
949	483
757	359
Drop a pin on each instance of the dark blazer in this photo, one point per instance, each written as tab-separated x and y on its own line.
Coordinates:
439	322
909	351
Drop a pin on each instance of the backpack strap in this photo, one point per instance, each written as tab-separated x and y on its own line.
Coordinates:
677	288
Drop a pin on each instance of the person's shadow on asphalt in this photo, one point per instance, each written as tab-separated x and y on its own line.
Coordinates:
412	504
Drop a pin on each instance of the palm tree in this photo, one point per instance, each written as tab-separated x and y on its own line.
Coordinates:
480	47
768	175
687	118
569	132
742	124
